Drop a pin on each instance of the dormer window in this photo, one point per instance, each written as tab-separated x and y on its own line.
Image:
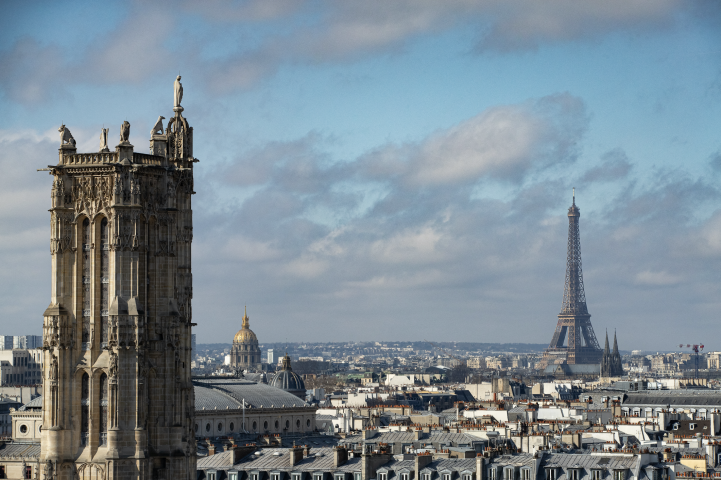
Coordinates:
508	474
619	475
404	476
526	474
551	473
446	476
426	476
574	473
596	474
492	473
382	476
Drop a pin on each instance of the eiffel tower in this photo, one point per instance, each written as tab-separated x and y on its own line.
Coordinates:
574	320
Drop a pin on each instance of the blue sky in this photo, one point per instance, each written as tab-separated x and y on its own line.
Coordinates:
394	170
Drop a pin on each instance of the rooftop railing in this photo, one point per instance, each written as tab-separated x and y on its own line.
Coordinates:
80	159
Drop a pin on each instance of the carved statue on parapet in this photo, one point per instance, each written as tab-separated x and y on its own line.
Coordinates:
177	93
49	470
66	138
158	128
113	365
125	132
54	368
104	140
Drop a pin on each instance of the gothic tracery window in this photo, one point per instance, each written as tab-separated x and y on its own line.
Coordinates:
104	280
103	409
86	282
84	409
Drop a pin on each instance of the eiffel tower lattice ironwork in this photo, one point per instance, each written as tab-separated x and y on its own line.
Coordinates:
574	320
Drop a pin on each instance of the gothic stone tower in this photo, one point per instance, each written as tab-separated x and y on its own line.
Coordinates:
574	319
611	362
118	400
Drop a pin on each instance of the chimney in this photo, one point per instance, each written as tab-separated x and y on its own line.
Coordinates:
340	456
421	462
668	456
306	451
417	434
296	455
712	453
211	449
480	467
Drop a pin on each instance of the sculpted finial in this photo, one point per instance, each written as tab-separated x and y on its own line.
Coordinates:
125	132
158	128
104	140
177	93
66	138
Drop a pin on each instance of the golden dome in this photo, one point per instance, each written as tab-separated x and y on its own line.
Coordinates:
245	334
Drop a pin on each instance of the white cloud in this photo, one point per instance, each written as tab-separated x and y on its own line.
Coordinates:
240	248
155	38
657	278
416	246
711	235
504	142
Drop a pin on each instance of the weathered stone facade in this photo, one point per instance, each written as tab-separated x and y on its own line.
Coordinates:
118	400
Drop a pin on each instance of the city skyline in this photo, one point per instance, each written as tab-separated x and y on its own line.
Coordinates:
394	172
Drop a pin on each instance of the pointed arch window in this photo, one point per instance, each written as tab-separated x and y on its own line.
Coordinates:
85	409
86	263
103	410
104	280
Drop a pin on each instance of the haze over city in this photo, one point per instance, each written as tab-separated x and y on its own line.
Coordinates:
393	171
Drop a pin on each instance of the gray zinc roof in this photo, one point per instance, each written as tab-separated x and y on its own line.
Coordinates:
398	465
220	461
36	402
590	461
230	393
519	460
452	464
271	459
663	398
24	450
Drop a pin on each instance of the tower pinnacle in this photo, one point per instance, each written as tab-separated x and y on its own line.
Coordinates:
606	350
246	320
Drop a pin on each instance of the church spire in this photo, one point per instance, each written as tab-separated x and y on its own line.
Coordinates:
615	344
606	350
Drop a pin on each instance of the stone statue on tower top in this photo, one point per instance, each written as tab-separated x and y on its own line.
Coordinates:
177	93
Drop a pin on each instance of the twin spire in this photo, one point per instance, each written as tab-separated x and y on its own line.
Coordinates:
607	350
